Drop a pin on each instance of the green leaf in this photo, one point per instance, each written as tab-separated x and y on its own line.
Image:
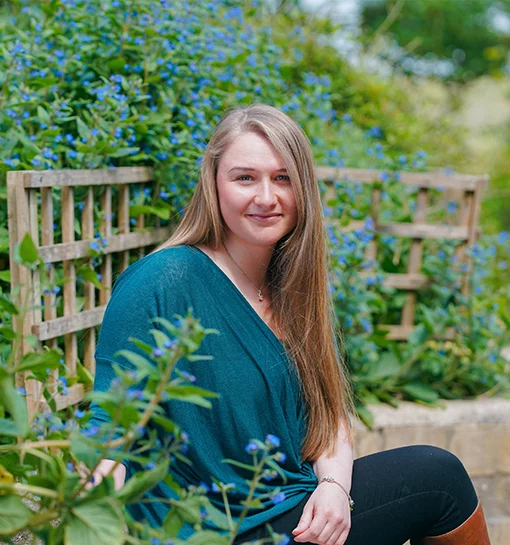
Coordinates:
197	400
365	416
8	333
386	366
142	364
90	275
418	336
5	276
122	152
83	130
8	427
15	405
239	464
14	515
140	483
42	115
190	390
28	251
35	361
84	375
138	210
85	451
173	522
144	347
94	523
420	391
7	305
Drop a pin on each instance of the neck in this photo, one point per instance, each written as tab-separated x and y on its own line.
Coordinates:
253	260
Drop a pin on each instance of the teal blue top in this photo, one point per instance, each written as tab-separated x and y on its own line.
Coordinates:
257	382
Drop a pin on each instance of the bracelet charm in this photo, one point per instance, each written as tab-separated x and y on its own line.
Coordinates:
331	479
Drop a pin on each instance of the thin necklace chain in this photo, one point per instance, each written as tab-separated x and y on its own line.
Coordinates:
259	290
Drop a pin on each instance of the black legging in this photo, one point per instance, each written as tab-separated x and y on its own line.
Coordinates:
399	494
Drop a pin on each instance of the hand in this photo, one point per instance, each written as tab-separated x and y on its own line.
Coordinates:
326	518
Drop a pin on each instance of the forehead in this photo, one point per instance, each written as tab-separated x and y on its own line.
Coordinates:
251	150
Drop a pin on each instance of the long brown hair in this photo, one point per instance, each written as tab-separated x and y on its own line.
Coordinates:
297	275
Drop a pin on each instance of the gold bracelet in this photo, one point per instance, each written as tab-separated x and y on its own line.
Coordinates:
330	479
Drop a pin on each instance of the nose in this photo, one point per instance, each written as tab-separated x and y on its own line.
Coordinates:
266	195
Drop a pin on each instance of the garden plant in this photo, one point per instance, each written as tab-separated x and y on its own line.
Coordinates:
107	83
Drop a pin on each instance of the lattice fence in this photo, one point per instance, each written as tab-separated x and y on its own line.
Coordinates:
464	190
36	199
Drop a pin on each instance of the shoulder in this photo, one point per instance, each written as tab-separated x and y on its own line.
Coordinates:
162	269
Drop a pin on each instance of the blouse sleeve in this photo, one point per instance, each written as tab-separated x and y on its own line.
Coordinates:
149	288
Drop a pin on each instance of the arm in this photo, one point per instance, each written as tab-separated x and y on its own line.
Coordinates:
339	465
326	515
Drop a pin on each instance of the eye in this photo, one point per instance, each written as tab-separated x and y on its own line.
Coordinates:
285	177
244	178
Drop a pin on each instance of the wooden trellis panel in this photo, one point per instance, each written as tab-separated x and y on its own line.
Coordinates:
464	189
25	189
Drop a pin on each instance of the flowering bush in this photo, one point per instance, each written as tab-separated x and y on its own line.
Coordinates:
104	83
46	491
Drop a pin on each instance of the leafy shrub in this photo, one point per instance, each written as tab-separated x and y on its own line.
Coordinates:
47	462
88	84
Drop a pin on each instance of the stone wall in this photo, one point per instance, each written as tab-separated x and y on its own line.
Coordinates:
478	432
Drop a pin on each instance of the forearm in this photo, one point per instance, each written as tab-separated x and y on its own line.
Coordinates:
339	466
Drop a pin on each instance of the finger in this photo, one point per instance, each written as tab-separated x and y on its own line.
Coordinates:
327	533
304	521
313	531
343	535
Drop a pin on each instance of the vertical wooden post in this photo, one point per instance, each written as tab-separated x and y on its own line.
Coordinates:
106	231
123	224
415	259
87	229
71	345
375	205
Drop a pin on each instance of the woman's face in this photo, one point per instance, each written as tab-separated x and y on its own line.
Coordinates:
255	193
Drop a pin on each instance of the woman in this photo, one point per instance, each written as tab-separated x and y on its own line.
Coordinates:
249	257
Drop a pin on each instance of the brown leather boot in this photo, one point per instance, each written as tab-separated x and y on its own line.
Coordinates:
473	531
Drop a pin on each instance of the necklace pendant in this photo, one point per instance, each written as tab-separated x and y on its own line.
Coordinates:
261	297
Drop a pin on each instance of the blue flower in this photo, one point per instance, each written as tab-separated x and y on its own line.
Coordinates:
284	540
91	431
273	440
157	352
278	498
251	447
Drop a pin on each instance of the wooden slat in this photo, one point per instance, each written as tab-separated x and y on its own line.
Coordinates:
69	324
48	238
106	231
107	176
406	281
140	223
401	333
115	243
409	230
123	222
476	205
415	257
424	180
71	343
76	392
371	249
420	230
34	233
87	229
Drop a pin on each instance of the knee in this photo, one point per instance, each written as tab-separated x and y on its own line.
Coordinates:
440	463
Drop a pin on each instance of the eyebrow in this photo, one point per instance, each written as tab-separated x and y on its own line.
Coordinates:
249	169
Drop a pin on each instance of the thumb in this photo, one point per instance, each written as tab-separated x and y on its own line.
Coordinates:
304	521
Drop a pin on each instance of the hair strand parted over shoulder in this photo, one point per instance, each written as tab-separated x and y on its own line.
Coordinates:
298	272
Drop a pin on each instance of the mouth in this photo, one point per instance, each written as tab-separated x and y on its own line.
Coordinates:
264	218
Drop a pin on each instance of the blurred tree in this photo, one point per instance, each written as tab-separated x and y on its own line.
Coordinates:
471	35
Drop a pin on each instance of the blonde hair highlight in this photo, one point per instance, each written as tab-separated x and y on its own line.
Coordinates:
297	275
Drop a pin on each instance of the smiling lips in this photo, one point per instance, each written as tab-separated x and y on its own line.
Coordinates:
264	218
